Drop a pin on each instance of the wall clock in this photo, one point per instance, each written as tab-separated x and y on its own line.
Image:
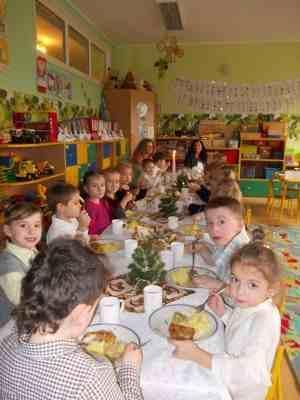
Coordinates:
141	109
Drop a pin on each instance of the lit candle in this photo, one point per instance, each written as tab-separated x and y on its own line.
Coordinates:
174	161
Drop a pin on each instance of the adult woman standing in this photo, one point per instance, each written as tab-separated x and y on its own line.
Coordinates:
144	150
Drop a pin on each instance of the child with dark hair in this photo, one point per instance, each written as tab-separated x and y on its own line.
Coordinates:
43	358
252	331
68	219
225	223
23	230
96	204
161	161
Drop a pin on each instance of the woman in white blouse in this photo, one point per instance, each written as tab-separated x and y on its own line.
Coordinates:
252	331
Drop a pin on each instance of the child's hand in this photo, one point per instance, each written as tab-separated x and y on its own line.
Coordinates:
84	220
206	282
216	303
133	354
184	349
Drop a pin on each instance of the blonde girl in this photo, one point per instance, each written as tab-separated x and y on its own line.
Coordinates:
252	328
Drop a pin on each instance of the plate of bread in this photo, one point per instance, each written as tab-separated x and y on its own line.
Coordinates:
182	322
108	340
181	276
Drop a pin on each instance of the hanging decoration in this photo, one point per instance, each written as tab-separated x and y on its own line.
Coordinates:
170	51
221	97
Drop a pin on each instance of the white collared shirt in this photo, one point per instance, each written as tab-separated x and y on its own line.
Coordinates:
61	228
251	339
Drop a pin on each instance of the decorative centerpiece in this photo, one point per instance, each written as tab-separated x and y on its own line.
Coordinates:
146	267
182	182
167	206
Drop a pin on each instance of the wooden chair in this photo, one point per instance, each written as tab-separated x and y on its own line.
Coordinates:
284	195
275	391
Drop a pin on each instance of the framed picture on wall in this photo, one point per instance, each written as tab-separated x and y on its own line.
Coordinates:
2	17
3	39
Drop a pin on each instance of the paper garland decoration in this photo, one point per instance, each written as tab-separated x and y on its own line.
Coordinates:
222	97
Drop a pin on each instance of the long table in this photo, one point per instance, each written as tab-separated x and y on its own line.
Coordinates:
163	376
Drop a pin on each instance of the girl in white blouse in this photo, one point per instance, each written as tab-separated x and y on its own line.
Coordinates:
252	329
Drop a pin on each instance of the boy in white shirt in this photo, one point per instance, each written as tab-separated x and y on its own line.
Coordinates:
23	229
226	228
69	219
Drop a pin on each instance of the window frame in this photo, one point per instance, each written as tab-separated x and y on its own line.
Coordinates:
75	26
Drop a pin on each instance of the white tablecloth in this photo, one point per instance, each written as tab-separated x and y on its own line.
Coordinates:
163	377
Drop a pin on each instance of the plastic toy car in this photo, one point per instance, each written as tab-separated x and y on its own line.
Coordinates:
26	170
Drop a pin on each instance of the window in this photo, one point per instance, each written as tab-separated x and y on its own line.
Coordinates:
98	66
50	32
78	51
57	38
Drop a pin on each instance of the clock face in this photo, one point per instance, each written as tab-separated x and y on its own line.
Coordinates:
141	109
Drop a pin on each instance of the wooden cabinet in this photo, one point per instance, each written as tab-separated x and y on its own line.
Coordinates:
70	160
134	110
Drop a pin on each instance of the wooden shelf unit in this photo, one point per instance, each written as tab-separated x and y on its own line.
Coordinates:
96	154
254	173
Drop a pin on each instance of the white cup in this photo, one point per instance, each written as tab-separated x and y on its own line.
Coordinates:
178	252
173	222
129	246
117	226
152	298
167	258
110	308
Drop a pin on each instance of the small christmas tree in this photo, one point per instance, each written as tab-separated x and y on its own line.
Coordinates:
146	267
182	182
167	205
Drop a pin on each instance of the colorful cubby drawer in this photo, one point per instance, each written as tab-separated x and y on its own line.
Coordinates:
71	154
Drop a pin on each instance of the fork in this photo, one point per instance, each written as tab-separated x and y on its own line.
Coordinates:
144	343
192	271
219	291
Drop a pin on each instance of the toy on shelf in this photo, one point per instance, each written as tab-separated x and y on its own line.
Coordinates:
129	81
26	170
84	129
20	136
5	136
45	168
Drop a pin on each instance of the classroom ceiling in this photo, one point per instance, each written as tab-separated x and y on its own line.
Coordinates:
140	21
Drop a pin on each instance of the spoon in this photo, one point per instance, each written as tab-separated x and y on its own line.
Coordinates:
201	306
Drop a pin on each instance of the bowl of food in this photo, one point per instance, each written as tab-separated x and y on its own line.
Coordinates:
183	322
108	340
191	230
181	276
106	246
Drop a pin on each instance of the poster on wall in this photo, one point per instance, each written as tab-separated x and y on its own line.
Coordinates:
41	74
59	85
52	82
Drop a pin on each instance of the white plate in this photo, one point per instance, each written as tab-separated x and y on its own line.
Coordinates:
123	334
198	270
160	319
